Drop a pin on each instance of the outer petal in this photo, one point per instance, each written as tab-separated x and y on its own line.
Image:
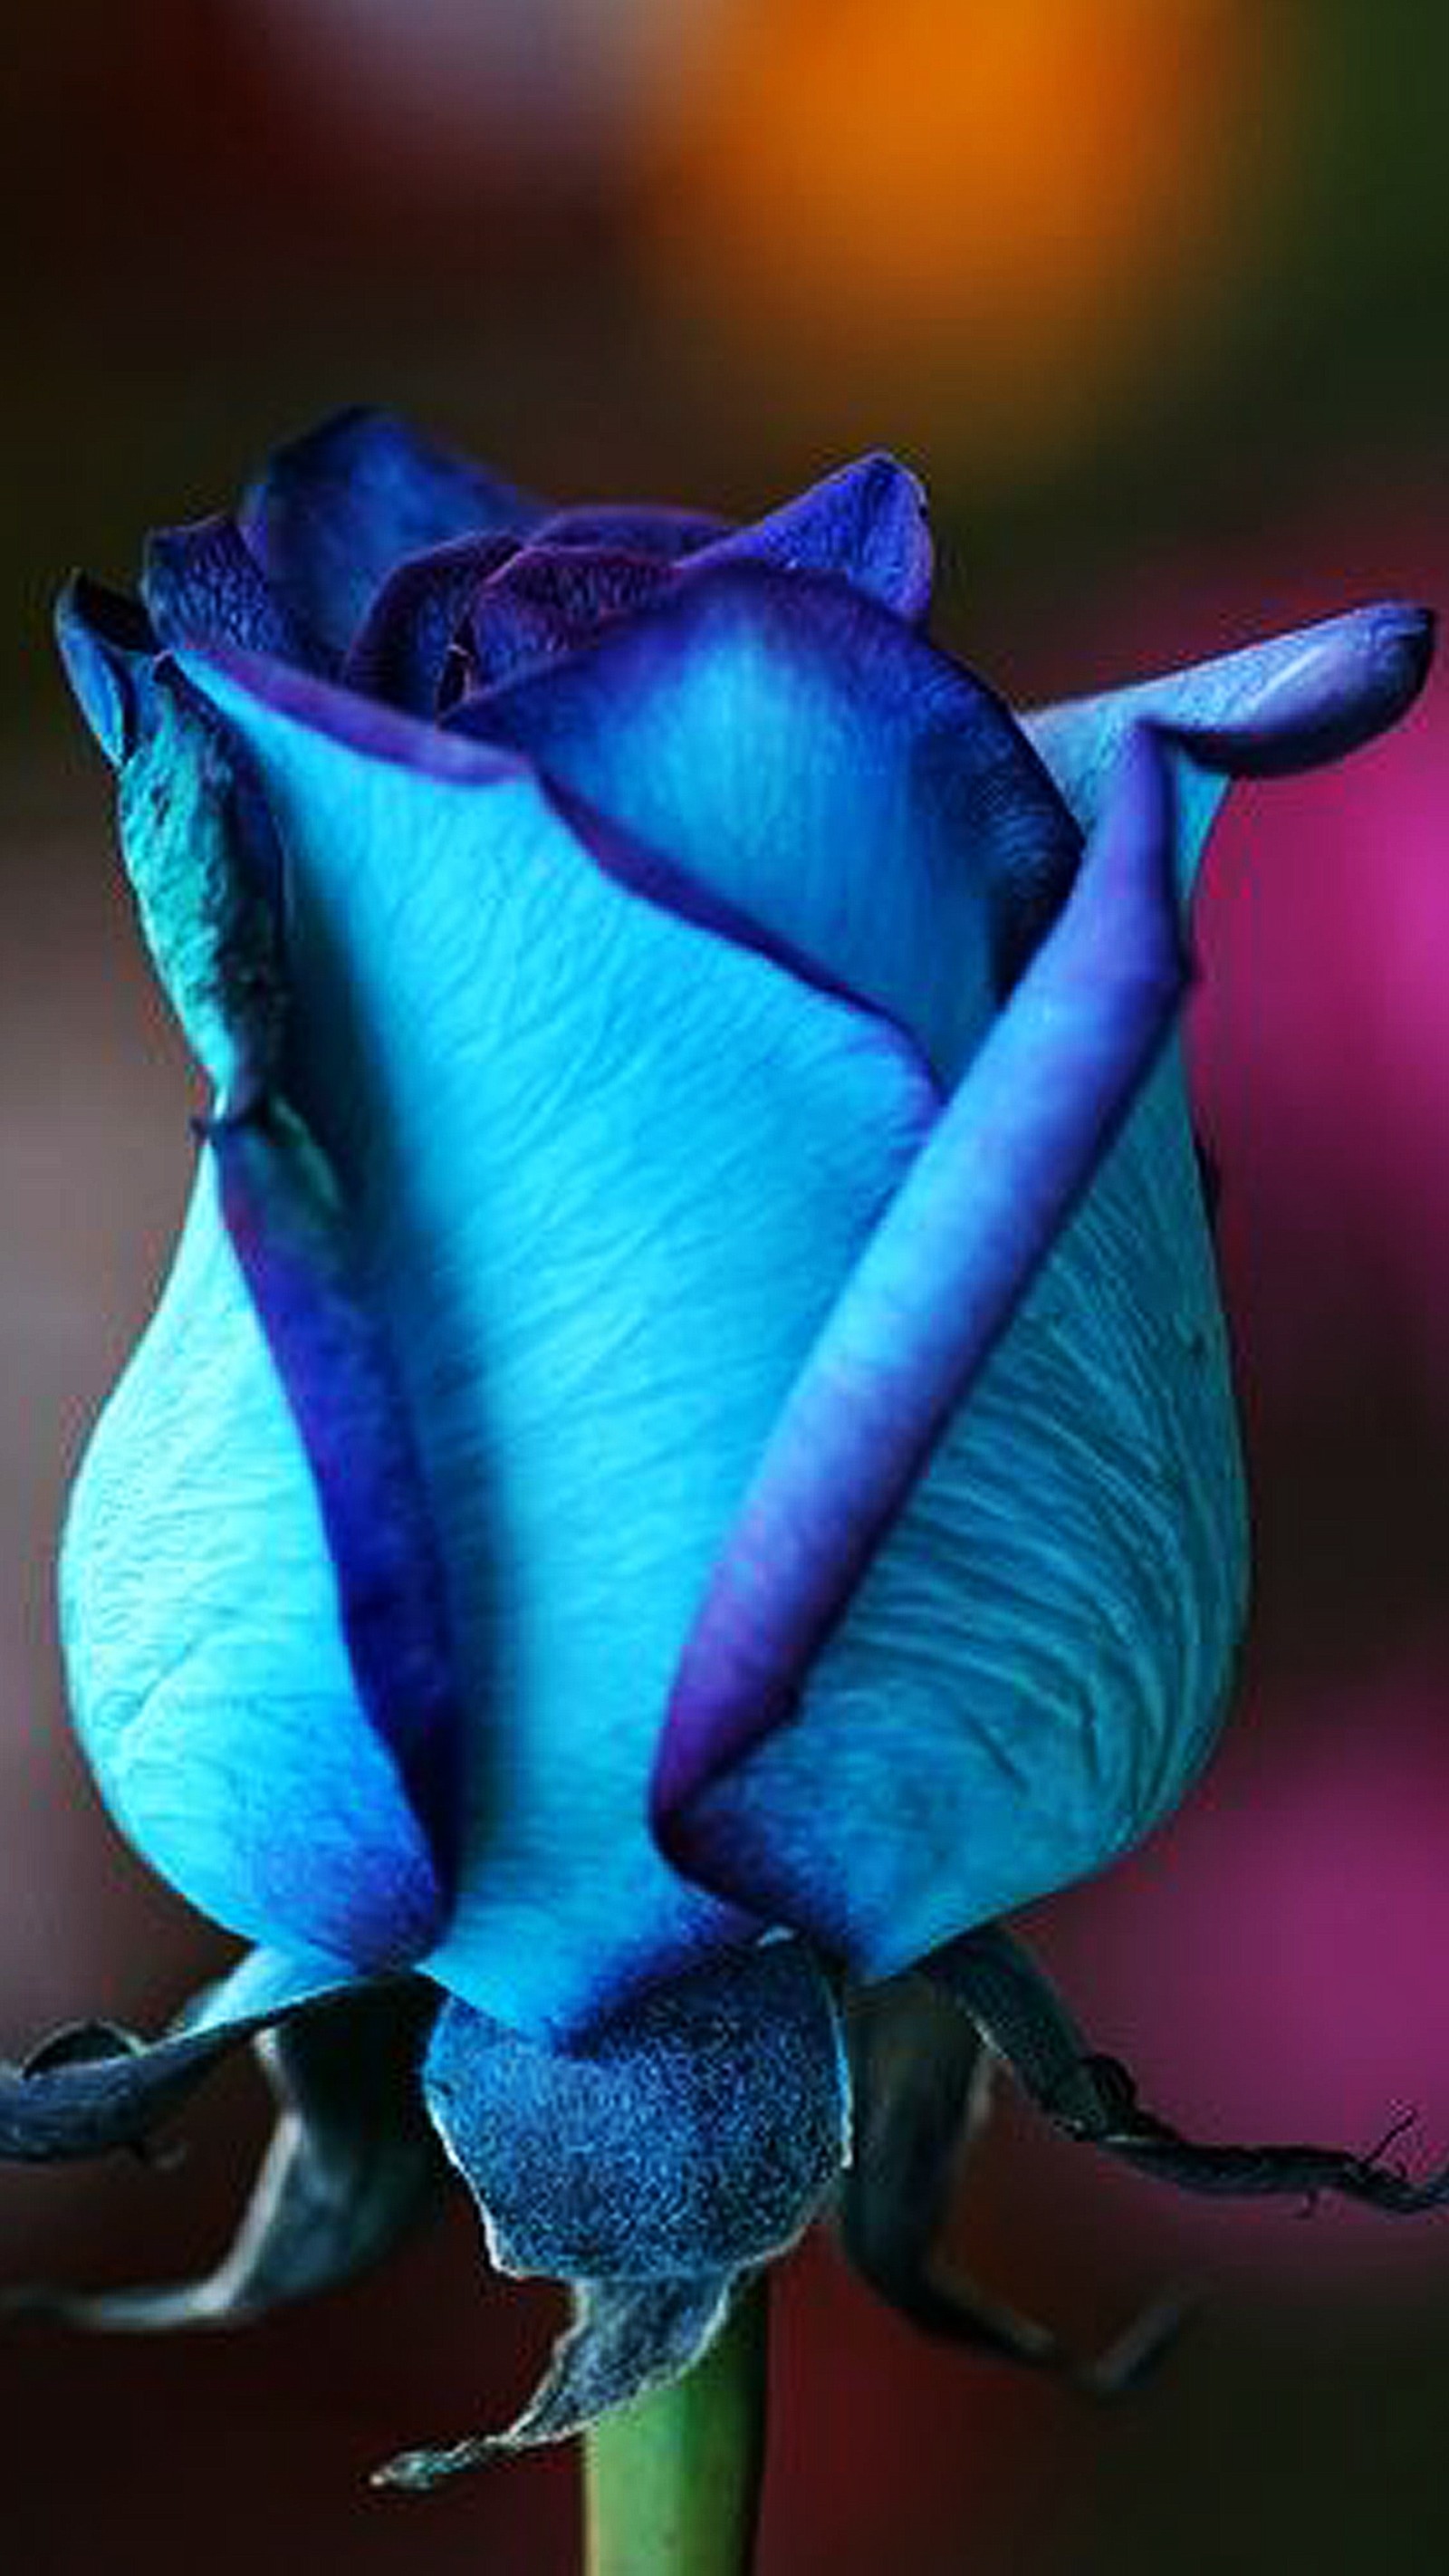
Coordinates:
107	643
334	511
867	522
609	1172
210	1681
1029	1668
1280	705
803	752
203	585
207	868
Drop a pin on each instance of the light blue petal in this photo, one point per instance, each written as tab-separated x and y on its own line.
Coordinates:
209	1678
1284	704
1034	1648
806	755
610	1171
1035	1664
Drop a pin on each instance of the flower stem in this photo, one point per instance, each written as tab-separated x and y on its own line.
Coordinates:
672	2483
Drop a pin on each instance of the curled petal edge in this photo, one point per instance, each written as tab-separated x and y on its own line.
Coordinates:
978	1211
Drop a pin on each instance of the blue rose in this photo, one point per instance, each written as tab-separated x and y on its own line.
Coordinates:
685	1464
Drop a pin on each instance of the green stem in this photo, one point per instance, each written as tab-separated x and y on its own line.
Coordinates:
672	2483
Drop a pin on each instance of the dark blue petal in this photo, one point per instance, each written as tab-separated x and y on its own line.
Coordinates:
548	600
335	511
202	585
281	1209
402	647
798	1709
867	522
793	746
1281	705
635	527
695	2132
107	644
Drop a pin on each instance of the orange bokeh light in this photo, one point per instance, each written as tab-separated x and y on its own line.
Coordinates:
1003	191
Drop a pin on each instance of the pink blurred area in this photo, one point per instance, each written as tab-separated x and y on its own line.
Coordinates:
706	250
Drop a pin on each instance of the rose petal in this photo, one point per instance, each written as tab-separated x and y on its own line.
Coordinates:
1281	705
210	1680
334	512
107	643
202	585
405	638
609	1171
1026	1671
867	522
550	599
802	752
635	527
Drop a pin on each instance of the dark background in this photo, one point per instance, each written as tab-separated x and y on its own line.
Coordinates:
1153	293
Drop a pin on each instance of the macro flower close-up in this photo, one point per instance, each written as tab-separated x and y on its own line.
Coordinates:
685	1467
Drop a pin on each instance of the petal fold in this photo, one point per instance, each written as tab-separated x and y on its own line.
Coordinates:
288	1230
935	1289
401	649
1284	704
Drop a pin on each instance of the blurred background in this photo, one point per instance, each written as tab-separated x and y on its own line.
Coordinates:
1152	292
